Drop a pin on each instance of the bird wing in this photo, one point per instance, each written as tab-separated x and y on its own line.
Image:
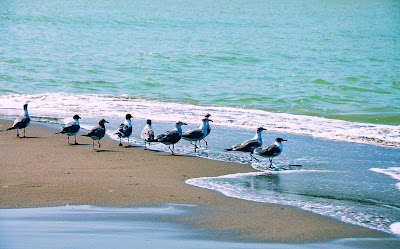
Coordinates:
248	145
270	150
193	134
71	127
147	134
97	131
125	130
21	122
169	137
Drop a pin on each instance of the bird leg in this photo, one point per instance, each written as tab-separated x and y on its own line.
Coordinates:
195	146
251	157
24	132
169	146
120	142
75	141
17	133
99	144
206	142
68	139
93	144
270	161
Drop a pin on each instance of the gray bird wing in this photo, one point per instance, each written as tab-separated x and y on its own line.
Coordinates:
247	146
97	132
71	127
193	134
125	130
270	150
21	122
170	137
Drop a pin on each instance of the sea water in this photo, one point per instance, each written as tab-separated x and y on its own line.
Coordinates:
139	227
322	74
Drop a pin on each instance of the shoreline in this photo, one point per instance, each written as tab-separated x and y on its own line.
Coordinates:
49	172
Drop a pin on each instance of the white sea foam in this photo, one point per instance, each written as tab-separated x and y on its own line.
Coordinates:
393	172
63	105
395	228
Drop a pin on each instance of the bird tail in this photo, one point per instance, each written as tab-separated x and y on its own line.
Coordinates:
11	128
85	135
230	149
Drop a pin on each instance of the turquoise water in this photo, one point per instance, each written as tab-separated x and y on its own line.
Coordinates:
333	59
322	74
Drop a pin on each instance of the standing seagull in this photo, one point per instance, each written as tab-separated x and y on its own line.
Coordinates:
147	134
71	129
125	129
97	132
249	145
22	121
171	137
196	134
271	150
208	128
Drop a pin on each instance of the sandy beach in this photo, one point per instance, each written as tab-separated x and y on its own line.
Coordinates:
43	170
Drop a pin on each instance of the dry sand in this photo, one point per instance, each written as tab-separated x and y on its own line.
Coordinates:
43	170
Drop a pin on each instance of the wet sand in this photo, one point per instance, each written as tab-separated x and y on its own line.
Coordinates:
43	170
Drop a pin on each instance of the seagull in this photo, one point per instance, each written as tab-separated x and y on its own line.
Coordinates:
71	129
208	128
97	132
147	134
271	150
196	134
171	137
249	145
22	121
125	129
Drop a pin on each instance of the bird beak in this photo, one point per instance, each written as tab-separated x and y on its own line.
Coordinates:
210	120
284	140
184	124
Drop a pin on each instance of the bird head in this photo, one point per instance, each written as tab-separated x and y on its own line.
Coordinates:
179	123
279	140
148	122
128	116
76	117
260	129
102	121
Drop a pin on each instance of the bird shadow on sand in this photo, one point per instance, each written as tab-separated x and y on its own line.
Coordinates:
174	155
78	144
29	137
100	150
131	146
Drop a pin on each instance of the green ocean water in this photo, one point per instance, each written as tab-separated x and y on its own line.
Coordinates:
333	59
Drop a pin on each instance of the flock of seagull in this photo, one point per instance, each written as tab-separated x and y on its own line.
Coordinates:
253	145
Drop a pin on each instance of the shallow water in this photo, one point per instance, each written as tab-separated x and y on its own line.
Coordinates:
138	227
